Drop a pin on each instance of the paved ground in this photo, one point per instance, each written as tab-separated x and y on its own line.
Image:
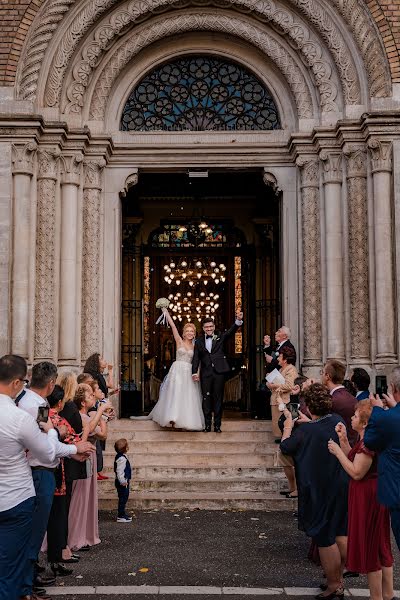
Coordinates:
239	550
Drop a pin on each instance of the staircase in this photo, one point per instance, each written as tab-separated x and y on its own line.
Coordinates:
175	469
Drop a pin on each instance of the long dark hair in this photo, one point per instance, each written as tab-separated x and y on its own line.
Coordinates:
92	364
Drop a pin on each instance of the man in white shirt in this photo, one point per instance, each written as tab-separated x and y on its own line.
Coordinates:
18	431
44	375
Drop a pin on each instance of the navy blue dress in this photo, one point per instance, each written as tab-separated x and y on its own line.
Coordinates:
322	482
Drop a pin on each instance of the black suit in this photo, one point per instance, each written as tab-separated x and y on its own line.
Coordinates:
214	367
275	353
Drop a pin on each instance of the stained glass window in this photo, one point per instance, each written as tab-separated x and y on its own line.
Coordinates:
200	93
172	236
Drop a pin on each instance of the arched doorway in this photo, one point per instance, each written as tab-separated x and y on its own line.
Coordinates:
211	245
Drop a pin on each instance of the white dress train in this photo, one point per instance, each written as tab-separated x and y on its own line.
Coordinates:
180	399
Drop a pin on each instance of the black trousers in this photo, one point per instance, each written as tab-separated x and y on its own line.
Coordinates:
123	496
212	389
57	529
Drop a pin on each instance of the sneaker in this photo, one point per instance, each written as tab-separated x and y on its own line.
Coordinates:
124	519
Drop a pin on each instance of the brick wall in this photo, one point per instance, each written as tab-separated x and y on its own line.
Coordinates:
16	16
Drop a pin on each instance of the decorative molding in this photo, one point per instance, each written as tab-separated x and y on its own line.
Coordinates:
71	168
191	22
381	155
45	315
130	182
358	258
353	12
92	173
22	158
311	250
271	181
332	166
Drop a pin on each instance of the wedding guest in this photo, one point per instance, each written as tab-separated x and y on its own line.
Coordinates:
44	375
361	381
350	387
383	436
322	484
281	391
18	431
343	403
123	476
271	353
83	526
368	546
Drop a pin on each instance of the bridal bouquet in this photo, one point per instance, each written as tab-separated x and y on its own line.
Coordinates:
162	303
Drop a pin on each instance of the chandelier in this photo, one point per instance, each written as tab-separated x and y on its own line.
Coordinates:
190	306
190	273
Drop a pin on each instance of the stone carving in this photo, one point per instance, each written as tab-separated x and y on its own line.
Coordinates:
130	182
381	155
376	64
91	258
22	157
271	181
358	257
189	22
311	252
282	20
71	168
45	316
332	166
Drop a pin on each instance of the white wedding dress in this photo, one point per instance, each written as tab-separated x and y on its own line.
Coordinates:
180	399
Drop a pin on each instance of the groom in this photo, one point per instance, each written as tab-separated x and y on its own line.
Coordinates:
209	353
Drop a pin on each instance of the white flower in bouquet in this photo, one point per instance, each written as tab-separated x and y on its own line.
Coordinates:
162	303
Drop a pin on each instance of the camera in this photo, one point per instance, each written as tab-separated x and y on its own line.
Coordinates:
43	414
294	410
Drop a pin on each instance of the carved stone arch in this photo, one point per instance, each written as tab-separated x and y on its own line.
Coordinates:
198	43
285	60
79	19
325	63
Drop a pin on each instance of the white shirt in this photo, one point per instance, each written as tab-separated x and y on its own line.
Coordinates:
18	431
30	403
121	464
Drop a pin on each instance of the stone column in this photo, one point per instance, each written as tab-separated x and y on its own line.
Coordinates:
381	157
70	181
46	293
332	170
311	258
22	158
92	267
358	255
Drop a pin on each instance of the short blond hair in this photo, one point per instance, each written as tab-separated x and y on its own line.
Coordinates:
189	326
68	381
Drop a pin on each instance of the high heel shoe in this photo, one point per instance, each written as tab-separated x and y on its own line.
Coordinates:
339	593
60	569
73	559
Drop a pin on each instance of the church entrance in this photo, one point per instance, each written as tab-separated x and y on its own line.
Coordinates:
209	242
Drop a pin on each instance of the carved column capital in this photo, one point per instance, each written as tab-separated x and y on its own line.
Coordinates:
271	181
381	155
130	182
332	166
356	161
93	170
48	163
22	157
309	171
71	168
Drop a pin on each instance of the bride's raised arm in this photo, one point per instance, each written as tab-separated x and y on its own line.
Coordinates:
175	332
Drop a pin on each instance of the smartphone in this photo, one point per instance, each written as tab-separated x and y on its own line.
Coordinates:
43	414
381	385
294	410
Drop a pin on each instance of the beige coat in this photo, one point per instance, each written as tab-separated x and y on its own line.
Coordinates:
282	393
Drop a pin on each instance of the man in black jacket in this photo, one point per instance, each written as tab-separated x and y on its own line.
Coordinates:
271	354
209	353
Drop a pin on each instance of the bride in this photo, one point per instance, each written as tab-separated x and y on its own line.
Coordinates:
180	402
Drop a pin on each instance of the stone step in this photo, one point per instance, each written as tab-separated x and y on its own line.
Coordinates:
228	486
197	447
154	473
163	435
227	425
203	501
213	459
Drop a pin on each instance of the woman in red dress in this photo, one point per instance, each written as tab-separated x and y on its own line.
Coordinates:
368	546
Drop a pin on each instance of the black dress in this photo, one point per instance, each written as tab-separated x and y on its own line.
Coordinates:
322	482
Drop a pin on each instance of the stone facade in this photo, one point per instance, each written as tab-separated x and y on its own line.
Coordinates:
66	69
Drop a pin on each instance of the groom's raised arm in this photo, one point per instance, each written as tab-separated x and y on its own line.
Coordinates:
238	323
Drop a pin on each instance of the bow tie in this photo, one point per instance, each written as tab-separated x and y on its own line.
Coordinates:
209	337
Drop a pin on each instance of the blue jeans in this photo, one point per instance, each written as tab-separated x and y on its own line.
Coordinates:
395	519
123	495
15	533
45	484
